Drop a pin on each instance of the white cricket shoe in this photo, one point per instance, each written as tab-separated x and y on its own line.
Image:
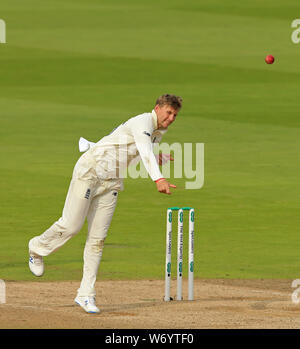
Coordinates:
88	304
36	264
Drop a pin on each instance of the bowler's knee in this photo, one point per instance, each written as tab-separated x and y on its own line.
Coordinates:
73	228
97	245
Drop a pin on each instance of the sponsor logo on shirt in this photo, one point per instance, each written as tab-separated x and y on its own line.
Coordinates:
87	194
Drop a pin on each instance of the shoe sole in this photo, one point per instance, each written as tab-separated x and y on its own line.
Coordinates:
89	312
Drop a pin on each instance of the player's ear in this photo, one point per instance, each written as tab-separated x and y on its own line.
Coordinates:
156	108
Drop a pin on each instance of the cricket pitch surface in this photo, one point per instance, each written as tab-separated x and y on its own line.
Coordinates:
219	303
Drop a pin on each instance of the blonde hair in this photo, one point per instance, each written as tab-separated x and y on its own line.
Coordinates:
171	100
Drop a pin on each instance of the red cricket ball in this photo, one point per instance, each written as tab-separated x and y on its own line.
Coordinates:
270	59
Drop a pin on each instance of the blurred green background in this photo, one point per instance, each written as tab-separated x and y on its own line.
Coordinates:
74	68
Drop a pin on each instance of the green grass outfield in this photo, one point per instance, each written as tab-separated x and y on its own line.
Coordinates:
79	68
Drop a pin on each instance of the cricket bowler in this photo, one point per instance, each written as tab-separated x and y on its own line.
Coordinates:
94	188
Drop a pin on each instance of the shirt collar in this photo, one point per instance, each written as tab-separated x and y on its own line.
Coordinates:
154	118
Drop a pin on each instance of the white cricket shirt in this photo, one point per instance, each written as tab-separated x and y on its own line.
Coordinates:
130	140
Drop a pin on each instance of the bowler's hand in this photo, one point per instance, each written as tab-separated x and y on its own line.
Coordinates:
163	186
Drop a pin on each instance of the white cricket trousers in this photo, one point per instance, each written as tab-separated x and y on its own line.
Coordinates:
91	198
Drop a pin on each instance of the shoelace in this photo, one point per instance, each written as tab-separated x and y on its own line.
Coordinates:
36	260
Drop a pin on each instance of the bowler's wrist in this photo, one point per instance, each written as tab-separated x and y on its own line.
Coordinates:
160	179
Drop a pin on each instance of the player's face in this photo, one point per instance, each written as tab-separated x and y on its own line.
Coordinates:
165	115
